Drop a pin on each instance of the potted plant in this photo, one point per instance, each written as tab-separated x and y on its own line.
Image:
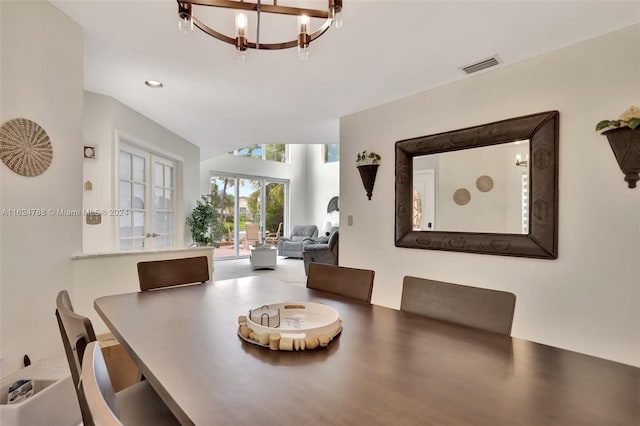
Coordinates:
365	157
624	138
205	228
367	164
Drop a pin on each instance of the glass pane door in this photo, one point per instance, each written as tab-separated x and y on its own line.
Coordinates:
249	208
148	194
238	201
132	183
163	203
274	211
223	200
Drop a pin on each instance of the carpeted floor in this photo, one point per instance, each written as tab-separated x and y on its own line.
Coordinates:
289	270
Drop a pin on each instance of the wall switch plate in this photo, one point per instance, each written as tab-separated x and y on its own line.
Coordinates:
93	218
350	220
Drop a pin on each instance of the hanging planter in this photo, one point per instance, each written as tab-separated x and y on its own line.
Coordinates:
624	139
367	164
625	144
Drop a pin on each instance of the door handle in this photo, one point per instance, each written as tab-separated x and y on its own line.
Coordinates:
152	235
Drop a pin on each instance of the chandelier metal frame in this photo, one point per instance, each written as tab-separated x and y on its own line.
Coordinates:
185	9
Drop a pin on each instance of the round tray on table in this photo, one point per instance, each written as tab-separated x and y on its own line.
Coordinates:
290	326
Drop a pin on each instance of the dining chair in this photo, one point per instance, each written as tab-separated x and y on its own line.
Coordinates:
273	237
482	308
133	406
171	272
77	332
350	282
252	234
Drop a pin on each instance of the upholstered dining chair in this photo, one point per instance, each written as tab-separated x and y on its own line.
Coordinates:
482	308
350	282
133	406
171	272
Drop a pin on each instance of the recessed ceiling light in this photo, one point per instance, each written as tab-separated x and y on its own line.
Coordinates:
153	84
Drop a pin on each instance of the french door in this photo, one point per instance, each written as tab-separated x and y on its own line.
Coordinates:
147	192
239	200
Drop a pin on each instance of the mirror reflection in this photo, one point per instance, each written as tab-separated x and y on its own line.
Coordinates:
483	189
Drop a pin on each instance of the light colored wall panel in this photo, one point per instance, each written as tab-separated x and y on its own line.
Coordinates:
41	81
588	299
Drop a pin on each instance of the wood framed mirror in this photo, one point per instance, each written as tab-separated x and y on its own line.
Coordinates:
536	235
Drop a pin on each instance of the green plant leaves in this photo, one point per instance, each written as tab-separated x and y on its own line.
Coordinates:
205	230
632	123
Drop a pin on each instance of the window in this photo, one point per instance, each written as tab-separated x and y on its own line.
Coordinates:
147	192
270	152
330	153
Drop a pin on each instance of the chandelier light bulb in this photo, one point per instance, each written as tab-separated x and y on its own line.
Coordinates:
241	24
241	35
303	38
304	24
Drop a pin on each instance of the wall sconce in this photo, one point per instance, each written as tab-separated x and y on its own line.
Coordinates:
368	174
88	186
367	164
625	144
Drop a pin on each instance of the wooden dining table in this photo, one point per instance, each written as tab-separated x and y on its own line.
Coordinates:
386	367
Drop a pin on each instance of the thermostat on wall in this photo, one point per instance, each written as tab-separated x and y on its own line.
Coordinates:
89	152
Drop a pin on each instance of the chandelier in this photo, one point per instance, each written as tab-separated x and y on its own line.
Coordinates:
331	15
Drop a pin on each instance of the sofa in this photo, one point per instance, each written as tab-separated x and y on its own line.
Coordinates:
292	245
322	250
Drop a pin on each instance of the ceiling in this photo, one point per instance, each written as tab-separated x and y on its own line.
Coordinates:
386	50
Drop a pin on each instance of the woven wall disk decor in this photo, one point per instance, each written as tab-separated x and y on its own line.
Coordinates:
462	196
25	147
484	183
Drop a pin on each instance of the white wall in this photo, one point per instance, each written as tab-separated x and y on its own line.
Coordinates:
42	80
323	183
107	120
588	299
308	187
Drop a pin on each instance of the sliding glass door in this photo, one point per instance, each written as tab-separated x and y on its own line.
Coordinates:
238	200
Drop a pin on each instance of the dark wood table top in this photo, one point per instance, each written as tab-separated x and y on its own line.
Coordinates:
386	368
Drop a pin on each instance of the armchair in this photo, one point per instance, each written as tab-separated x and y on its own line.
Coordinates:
321	251
300	235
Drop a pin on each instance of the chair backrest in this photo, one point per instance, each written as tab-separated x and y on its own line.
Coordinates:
278	231
77	332
252	232
349	282
96	385
304	231
487	309
166	273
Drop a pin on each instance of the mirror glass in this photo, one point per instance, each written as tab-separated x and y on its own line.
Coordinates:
490	189
481	189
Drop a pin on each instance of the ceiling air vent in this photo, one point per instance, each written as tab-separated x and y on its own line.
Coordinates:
479	66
